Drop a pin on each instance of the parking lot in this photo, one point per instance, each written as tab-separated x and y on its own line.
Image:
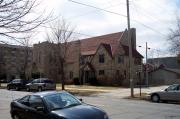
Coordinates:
117	108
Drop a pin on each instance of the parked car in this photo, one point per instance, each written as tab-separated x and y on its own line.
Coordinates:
5	81
172	93
41	84
17	84
54	105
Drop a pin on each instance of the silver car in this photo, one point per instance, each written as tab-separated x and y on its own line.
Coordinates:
172	93
41	84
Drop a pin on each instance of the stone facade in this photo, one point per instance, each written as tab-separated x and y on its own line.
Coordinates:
43	60
13	61
115	68
83	59
104	59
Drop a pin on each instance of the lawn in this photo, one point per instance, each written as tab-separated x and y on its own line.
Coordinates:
85	90
82	90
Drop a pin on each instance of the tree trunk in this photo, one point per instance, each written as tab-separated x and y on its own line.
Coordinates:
62	76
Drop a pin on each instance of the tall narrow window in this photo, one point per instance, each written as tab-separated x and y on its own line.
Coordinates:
124	74
117	72
39	57
71	75
121	59
101	58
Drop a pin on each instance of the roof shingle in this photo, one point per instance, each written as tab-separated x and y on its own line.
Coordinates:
90	45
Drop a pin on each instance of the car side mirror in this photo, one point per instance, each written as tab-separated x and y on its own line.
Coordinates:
166	90
40	109
81	99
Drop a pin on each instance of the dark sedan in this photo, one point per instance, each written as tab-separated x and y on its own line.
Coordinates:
54	105
17	84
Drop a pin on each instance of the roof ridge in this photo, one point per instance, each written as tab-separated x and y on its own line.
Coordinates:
102	35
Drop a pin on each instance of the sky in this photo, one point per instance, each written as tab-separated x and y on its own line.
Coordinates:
152	19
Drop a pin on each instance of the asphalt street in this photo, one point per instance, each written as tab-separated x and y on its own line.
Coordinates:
117	108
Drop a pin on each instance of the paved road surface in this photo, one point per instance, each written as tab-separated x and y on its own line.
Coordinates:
117	108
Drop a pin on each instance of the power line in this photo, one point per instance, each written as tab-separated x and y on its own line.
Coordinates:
158	5
154	49
84	14
146	13
112	5
97	8
118	15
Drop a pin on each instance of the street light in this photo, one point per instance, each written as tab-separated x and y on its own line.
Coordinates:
147	81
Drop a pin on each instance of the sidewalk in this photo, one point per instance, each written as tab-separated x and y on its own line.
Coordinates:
125	92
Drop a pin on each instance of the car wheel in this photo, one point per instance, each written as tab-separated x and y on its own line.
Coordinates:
8	87
155	98
28	89
17	88
16	116
39	89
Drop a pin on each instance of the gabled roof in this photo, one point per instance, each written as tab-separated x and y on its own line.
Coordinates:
169	62
110	42
90	45
108	48
177	71
89	65
135	53
14	46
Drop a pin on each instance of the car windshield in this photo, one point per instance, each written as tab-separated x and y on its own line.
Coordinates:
172	87
16	81
61	101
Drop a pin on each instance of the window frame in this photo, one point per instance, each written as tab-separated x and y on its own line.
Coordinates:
101	58
101	72
48	81
30	104
71	74
62	95
120	59
23	99
178	88
172	88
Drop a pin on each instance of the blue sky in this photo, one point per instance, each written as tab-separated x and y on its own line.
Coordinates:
159	15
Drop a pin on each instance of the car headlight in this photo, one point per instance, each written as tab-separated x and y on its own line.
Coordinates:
106	116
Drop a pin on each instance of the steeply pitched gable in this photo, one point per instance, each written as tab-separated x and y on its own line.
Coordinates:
90	45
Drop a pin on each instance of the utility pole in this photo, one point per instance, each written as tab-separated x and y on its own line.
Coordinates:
130	51
147	82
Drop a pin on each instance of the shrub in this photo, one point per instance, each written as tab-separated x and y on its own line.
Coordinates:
76	81
35	75
93	81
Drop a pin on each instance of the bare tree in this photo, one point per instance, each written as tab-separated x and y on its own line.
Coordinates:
174	38
18	17
59	37
27	57
24	69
